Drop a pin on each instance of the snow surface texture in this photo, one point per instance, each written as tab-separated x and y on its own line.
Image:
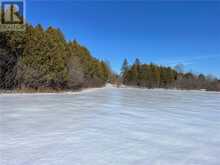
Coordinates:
111	126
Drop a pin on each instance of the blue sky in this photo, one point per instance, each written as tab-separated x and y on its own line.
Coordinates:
162	32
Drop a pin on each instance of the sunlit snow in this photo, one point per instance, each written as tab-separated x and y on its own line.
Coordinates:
111	126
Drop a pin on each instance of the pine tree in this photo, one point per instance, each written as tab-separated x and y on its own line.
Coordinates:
125	67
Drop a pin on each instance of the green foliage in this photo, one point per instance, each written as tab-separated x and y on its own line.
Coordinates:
154	76
11	47
148	75
42	63
43	59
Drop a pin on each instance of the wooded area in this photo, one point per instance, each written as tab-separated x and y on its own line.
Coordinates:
39	58
42	59
155	76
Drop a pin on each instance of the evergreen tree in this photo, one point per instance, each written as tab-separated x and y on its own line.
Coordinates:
39	58
154	76
125	67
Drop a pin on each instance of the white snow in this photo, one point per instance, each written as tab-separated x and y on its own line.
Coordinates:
111	126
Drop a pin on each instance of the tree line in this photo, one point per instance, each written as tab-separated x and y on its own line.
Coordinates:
43	59
155	76
39	58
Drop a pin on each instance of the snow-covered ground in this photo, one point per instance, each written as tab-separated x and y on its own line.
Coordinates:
111	126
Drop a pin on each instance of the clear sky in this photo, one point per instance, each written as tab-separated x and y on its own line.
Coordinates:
162	32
